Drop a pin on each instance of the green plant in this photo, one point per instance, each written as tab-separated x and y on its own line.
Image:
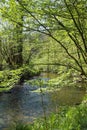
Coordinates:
8	78
19	126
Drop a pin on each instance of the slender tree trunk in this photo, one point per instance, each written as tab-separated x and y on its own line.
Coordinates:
17	56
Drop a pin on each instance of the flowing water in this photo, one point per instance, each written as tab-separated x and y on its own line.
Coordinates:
24	104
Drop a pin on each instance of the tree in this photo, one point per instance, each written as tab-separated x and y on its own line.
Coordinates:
64	21
15	57
64	18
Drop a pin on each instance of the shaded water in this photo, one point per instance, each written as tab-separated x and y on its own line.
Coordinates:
24	104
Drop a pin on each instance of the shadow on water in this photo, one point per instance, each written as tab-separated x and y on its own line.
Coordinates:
22	103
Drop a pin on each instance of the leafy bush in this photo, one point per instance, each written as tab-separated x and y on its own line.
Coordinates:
8	78
75	119
19	126
68	78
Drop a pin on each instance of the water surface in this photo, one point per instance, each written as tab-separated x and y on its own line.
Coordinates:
22	103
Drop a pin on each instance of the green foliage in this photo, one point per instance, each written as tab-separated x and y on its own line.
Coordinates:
65	23
68	78
8	78
75	118
63	79
19	126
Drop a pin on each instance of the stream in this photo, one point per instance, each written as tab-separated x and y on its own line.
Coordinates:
24	104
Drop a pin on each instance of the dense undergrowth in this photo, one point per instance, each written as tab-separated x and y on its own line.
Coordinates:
69	78
8	78
65	79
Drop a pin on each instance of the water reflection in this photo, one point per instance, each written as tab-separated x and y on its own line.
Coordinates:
21	105
48	75
24	104
67	96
